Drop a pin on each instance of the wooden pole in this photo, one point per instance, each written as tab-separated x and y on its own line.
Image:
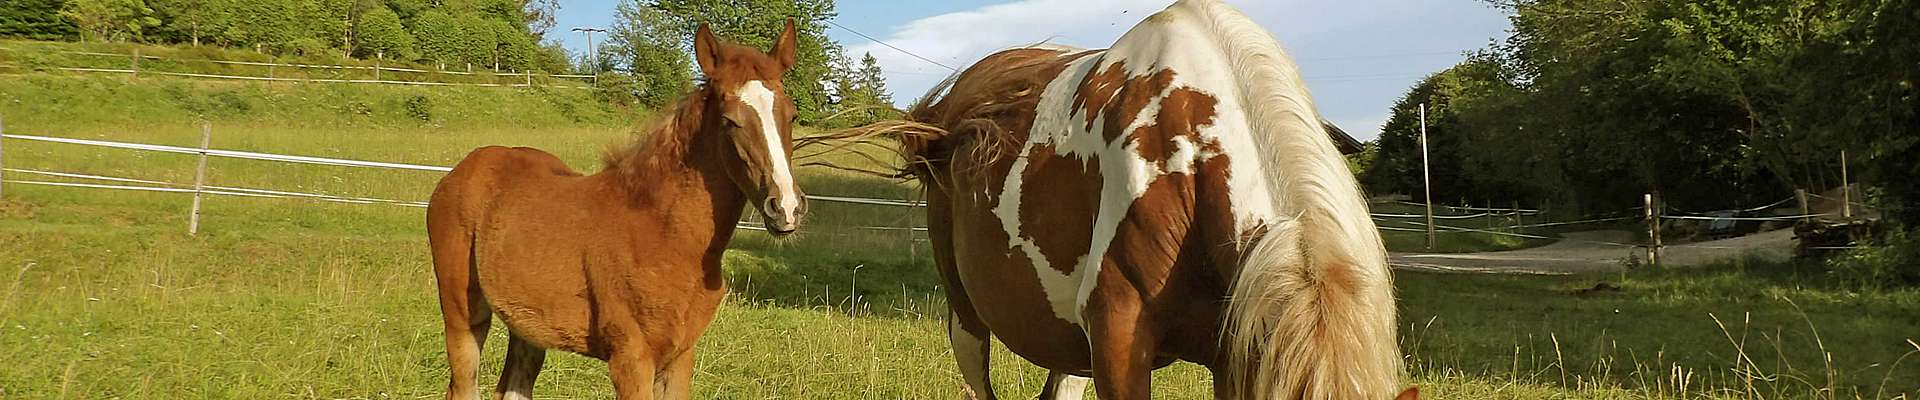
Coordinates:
378	61
1490	216
1653	230
1517	222
200	178
1846	189
912	253
1426	176
529	78
136	62
1805	210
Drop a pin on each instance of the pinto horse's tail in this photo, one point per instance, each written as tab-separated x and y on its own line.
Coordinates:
1311	314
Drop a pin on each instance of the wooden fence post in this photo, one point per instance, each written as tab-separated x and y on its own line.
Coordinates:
1490	215
912	253
200	178
529	78
1517	222
1846	189
377	62
1806	211
136	62
1653	230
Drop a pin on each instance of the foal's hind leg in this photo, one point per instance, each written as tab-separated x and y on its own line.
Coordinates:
523	366
467	318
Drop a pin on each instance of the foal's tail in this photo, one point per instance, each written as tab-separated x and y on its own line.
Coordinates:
1311	314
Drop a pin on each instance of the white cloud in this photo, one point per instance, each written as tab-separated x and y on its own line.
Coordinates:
960	38
1389	43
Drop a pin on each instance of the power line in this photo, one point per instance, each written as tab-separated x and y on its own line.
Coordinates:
891	46
1391	55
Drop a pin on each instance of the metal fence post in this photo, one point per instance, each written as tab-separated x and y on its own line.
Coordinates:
200	178
1653	230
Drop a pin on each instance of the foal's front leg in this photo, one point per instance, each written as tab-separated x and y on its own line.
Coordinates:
678	382
632	370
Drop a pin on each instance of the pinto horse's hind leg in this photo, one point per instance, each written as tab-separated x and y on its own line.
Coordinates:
523	366
971	349
1062	386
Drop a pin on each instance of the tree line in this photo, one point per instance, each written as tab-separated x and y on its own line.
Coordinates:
1713	104
650	47
646	60
498	34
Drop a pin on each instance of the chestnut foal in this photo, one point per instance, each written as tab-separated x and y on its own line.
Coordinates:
623	265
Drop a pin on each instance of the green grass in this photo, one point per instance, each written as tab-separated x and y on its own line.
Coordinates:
105	296
27	56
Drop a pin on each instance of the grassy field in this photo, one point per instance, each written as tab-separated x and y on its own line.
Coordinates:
106	296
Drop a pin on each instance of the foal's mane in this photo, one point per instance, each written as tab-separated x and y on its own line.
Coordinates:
664	142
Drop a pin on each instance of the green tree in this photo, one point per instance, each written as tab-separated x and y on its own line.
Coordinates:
110	20
379	32
645	44
35	19
669	25
860	92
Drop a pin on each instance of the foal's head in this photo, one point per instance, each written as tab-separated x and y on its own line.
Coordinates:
750	107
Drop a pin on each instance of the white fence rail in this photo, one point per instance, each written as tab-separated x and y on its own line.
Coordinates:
202	188
1386	221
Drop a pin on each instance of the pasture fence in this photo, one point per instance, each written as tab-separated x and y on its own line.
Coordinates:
907	229
524	78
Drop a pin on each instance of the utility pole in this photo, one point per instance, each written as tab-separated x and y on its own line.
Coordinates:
593	54
1425	175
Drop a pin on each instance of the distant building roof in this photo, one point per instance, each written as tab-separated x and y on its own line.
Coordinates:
1342	140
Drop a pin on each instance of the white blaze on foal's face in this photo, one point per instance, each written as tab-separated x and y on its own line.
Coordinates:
782	204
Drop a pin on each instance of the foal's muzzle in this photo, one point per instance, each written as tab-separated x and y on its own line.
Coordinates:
782	217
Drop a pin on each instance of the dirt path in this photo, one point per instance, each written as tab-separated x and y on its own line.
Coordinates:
1595	251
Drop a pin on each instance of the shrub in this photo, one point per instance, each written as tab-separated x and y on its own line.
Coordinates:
420	107
1893	261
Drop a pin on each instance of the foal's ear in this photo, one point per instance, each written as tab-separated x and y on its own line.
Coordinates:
706	51
1412	393
784	48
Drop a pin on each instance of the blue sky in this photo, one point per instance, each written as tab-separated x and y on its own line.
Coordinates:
1359	56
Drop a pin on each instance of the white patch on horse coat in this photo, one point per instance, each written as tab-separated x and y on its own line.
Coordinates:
1067	387
1155	45
756	95
970	352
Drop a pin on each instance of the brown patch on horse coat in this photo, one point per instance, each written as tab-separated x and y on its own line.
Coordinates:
1178	238
1072	187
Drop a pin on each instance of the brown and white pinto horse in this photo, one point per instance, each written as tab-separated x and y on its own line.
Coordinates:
1175	197
623	265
